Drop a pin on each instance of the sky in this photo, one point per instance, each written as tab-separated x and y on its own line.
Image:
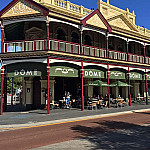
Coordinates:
141	8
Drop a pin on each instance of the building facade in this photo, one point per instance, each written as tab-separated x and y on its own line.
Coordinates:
58	46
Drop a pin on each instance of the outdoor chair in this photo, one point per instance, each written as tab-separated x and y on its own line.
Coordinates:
55	105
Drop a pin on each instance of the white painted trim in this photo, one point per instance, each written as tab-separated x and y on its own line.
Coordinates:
85	28
117	36
23	20
7	62
57	20
94	64
66	61
135	41
111	66
130	68
147	70
147	44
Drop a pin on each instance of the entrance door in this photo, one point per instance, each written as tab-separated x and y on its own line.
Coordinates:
36	93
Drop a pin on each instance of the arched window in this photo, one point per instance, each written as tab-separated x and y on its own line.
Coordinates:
61	35
88	40
75	37
111	47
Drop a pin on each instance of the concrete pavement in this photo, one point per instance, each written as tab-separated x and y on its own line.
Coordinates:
15	120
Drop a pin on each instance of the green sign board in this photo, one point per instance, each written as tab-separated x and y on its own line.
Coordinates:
148	76
63	71
26	69
135	76
93	73
116	75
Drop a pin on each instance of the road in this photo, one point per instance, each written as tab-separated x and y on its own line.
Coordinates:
128	131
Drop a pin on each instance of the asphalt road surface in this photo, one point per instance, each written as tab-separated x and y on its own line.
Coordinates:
121	132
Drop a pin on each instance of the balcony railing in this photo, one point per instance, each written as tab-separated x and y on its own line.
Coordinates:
117	55
70	47
136	58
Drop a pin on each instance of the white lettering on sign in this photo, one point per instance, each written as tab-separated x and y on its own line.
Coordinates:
16	73
92	73
29	73
35	72
133	75
24	72
148	76
116	74
64	70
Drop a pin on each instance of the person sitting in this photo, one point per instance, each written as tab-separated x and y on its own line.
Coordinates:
101	97
106	100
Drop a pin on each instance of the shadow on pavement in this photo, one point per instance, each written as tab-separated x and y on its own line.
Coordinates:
115	135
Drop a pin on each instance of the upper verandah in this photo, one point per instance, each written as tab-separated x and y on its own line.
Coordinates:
120	20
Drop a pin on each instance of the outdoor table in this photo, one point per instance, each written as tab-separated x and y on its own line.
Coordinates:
119	101
140	99
62	103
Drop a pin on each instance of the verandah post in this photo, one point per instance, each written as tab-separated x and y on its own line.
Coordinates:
146	87
2	38
107	53
2	74
81	35
127	50
47	25
48	87
144	54
108	86
82	85
129	87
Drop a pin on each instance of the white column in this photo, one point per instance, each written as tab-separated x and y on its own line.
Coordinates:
115	91
136	90
43	88
125	92
143	89
29	92
52	89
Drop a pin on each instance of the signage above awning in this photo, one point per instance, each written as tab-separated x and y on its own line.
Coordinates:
135	76
116	75
63	71
148	76
93	73
26	69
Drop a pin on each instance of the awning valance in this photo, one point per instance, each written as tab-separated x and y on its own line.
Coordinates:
63	71
116	75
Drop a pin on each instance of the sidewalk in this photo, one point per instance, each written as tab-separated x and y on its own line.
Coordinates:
12	120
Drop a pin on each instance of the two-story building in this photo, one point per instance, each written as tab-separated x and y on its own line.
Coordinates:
58	46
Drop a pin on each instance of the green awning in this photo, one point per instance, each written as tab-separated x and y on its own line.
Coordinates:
116	75
136	76
148	76
97	83
63	71
26	69
93	73
119	84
